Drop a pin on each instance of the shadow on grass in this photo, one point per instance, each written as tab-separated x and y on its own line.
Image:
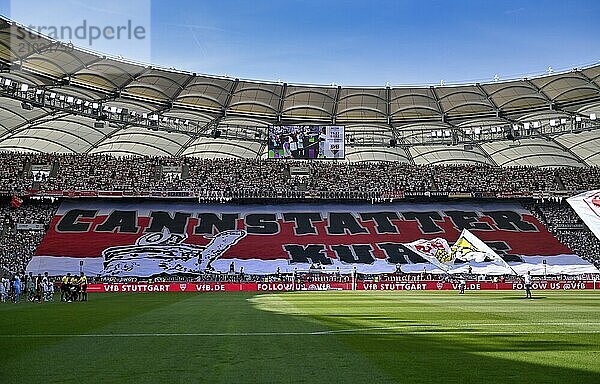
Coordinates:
244	357
439	355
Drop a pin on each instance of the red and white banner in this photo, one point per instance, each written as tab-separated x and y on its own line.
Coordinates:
335	286
152	238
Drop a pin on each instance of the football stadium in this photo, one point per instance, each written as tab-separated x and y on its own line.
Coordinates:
162	225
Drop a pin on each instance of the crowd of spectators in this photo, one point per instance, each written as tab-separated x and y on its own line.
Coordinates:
17	249
267	178
477	178
18	246
580	179
256	178
562	221
583	243
558	215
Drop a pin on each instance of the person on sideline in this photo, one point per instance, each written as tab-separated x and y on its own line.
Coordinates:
17	288
83	283
527	280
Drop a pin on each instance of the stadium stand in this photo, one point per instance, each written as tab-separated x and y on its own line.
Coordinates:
264	178
78	124
18	245
563	222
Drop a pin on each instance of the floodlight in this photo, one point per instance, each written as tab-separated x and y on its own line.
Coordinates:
592	116
578	118
24	87
553	123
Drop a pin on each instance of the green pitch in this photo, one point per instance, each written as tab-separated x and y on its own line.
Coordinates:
325	337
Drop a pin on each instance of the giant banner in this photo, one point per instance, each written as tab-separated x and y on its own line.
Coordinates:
151	238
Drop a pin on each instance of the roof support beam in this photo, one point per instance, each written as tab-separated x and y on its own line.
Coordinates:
486	154
568	150
478	145
212	123
263	145
50	117
336	101
542	93
489	99
133	78
590	81
436	98
388	108
185	146
230	96
109	135
87	65
23	124
182	87
409	155
281	102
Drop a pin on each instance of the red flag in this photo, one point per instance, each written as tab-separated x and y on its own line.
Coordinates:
16	202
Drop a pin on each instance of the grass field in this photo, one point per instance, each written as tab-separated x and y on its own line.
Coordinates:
325	337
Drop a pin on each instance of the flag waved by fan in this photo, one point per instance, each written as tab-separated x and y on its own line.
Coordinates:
435	251
16	202
469	248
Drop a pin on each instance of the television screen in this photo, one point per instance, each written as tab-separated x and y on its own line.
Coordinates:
306	142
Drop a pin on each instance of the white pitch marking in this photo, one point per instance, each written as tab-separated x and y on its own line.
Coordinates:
364	331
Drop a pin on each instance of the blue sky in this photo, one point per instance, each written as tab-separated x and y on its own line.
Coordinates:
369	42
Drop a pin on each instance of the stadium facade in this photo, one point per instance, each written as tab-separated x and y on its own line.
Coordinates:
58	98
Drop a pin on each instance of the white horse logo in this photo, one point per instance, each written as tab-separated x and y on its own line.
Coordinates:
166	253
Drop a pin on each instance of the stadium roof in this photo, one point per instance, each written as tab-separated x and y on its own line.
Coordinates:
243	109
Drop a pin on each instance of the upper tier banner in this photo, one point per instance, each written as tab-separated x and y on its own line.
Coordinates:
151	238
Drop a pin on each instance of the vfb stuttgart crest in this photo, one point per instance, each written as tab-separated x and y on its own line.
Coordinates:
593	202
